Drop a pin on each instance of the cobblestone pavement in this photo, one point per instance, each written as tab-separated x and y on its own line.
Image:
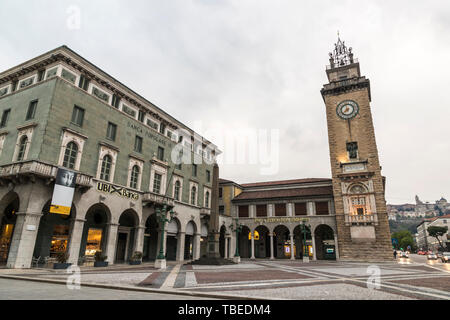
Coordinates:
276	279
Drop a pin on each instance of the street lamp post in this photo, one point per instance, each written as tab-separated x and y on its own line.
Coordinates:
161	216
238	229
304	229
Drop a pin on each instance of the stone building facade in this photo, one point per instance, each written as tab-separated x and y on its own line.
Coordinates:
61	111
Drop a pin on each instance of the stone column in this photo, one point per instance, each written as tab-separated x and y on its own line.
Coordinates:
180	246
196	246
291	237
271	245
336	249
313	240
253	245
23	239
110	250
73	247
139	239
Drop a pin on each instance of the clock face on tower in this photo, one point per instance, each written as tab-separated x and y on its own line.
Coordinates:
347	109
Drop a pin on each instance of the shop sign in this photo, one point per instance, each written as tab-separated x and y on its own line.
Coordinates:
121	191
285	220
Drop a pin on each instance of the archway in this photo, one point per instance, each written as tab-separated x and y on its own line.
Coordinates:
94	231
325	246
126	232
53	233
262	242
151	237
245	243
188	240
172	239
9	206
282	245
299	239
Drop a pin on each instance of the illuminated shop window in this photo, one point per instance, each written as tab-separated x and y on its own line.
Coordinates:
94	241
59	240
255	234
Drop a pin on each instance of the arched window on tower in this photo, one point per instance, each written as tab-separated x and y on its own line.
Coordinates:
359	200
106	168
70	155
207	199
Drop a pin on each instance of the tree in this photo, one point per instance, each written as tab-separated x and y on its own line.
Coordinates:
404	238
437	232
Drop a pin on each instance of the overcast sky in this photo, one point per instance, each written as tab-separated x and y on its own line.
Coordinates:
260	65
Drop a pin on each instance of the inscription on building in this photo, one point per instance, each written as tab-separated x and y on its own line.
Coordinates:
111	189
288	219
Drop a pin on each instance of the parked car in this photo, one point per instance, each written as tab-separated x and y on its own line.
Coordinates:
445	257
432	256
420	252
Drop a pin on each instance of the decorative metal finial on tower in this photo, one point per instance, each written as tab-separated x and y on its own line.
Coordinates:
341	55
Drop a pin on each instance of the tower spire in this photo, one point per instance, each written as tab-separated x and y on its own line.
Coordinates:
341	55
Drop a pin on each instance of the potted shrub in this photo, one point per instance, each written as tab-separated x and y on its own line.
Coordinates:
100	259
62	258
136	258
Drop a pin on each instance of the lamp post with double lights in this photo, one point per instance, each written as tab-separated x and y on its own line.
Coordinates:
161	216
304	229
238	228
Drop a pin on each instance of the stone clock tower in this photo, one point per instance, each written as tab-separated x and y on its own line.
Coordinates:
358	186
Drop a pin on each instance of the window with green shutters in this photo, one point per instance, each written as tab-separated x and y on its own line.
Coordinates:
157	183
134	177
111	131
70	155
138	144
106	168
22	148
78	116
5	117
31	110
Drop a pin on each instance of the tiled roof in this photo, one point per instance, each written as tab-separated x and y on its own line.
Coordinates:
285	193
284	182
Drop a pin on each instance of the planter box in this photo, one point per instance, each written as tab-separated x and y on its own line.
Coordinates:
100	263
133	263
61	265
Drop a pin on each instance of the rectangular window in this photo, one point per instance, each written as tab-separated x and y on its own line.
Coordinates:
51	73
26	83
5	117
138	144
78	115
157	183
280	210
221	209
300	209
129	111
84	82
115	101
162	128
220	192
31	110
141	115
322	208
243	211
261	210
152	124
14	86
208	176
100	94
160	154
194	170
69	76
41	75
111	131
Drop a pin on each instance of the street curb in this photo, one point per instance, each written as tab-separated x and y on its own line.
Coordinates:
173	292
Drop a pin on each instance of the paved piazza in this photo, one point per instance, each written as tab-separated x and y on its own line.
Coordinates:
262	279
